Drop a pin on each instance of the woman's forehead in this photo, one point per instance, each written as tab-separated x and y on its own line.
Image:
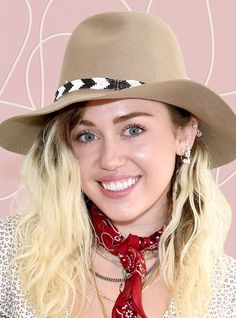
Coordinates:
100	108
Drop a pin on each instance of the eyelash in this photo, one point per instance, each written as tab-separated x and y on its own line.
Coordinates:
84	132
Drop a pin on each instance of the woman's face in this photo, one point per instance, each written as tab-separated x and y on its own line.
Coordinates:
126	151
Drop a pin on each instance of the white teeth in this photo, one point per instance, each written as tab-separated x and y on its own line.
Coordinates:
130	182
119	186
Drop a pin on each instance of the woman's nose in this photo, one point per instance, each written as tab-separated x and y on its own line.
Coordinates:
112	155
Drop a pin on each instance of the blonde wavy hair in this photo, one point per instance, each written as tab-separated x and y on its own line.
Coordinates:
54	234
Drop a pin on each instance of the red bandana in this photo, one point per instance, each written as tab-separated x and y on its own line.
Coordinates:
130	252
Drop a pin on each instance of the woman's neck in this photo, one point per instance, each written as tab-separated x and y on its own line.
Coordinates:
146	224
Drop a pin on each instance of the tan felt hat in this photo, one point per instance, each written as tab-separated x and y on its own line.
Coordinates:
117	55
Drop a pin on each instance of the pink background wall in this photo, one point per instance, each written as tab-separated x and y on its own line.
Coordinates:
33	37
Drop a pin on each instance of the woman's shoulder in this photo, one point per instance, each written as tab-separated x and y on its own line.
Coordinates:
228	272
9	223
226	269
7	247
229	260
12	300
7	231
223	303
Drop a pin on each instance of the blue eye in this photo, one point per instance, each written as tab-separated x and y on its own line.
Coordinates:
86	137
133	130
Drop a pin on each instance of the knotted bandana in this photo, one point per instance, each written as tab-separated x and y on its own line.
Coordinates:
130	253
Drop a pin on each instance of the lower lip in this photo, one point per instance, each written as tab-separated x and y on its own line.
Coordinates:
118	194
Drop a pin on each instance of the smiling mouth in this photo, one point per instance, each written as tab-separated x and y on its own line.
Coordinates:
120	185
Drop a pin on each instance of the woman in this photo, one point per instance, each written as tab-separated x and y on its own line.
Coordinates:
124	218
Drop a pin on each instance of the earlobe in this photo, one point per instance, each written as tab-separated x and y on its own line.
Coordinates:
186	153
187	136
183	146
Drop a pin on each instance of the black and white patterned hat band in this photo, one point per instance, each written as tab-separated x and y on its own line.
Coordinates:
95	83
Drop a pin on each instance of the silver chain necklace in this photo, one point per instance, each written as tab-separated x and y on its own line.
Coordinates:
121	280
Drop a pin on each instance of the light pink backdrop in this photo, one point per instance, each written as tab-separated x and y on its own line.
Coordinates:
33	36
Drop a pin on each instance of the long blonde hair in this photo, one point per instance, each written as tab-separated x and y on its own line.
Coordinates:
54	233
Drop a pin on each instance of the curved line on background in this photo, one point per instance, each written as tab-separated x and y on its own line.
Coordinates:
149	5
212	43
41	50
227	178
227	93
11	194
30	59
21	49
16	104
126	5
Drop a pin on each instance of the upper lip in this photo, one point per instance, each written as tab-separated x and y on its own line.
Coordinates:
116	178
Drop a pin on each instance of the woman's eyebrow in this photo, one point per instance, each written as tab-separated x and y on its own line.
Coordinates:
117	119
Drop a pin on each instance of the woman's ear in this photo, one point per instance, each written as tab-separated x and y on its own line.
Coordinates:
187	134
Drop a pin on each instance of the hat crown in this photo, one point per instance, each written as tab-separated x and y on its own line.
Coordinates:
123	45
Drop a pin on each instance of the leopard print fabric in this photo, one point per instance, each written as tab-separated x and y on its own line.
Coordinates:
13	303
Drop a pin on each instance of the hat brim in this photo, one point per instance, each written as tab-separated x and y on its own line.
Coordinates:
217	121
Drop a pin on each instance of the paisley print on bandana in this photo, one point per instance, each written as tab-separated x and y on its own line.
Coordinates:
131	255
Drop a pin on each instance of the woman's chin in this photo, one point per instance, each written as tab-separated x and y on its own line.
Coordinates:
126	217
